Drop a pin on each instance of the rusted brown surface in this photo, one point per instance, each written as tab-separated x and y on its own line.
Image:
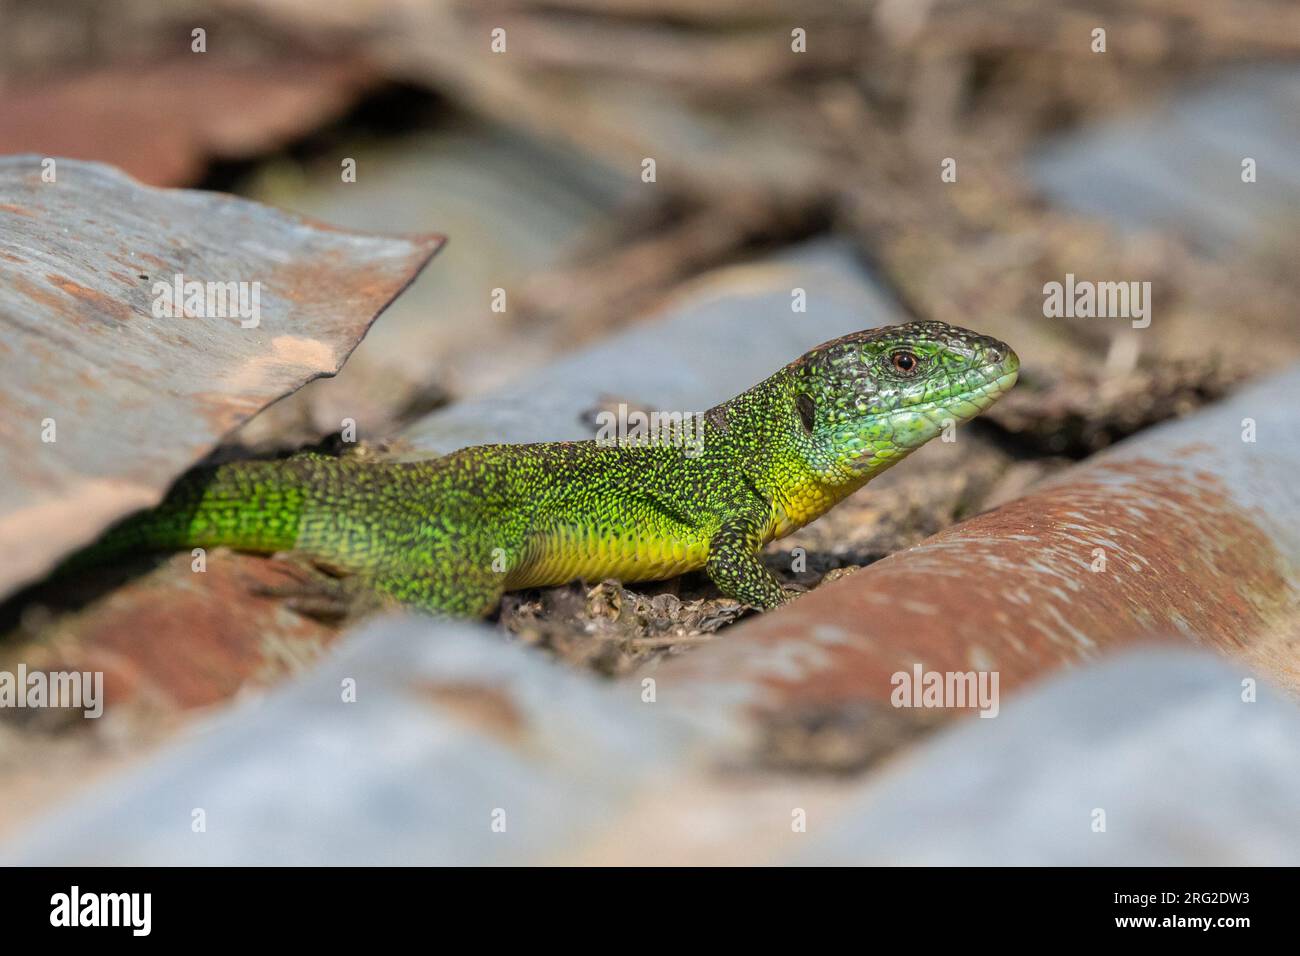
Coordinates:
205	108
1192	549
482	707
172	639
134	398
1014	590
171	644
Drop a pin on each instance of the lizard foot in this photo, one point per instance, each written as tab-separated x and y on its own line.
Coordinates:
319	591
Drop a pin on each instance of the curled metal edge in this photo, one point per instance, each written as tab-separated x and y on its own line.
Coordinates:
133	399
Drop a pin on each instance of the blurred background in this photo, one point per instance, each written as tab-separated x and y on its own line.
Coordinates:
809	136
531	160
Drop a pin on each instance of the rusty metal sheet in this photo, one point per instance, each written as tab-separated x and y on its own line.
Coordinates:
236	641
131	633
460	750
105	403
210	108
1186	531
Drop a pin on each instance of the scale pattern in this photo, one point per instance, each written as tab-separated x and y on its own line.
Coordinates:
451	534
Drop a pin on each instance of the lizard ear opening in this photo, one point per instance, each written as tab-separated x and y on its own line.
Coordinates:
805	406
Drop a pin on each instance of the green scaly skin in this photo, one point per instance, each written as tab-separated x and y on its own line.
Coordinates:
450	535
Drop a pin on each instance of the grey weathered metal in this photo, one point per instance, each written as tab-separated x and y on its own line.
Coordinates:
129	398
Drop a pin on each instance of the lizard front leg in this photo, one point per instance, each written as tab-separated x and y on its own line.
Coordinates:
733	565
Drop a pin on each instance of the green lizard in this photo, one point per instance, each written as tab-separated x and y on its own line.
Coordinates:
451	534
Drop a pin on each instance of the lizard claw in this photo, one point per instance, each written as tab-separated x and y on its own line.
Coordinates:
314	590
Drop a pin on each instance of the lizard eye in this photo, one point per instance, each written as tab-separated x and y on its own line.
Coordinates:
805	406
905	362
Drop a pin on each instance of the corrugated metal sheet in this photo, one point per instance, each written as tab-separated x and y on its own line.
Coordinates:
421	742
452	730
1186	531
1149	759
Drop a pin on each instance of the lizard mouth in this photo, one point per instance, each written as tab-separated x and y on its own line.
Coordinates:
990	392
914	425
1000	380
966	405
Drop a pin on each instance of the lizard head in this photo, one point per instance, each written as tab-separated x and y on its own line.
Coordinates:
866	400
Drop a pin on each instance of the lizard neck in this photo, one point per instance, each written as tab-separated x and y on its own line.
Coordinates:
799	501
766	440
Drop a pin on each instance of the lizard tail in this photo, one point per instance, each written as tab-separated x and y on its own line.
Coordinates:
247	505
